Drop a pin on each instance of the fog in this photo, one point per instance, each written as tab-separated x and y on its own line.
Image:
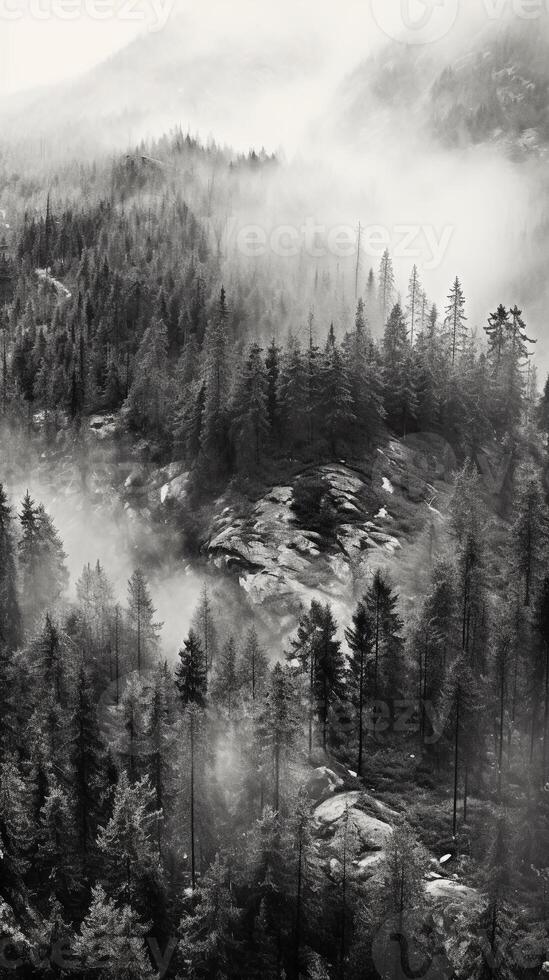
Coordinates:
297	79
94	526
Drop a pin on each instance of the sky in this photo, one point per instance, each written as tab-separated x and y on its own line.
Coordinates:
45	41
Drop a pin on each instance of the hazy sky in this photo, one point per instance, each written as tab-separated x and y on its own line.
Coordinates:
39	44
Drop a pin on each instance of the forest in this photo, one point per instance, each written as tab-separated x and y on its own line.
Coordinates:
367	799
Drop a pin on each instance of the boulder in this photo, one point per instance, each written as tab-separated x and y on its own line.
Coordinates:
322	783
372	832
175	489
449	890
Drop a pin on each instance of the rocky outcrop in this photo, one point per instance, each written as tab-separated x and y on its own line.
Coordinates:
283	558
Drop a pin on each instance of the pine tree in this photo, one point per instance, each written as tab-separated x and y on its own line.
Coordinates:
364	373
455	320
543	411
541	674
44	576
251	425
213	441
272	366
204	626
338	415
360	641
141	613
149	399
380	603
10	617
112	938
400	396
320	659
128	842
226	683
279	725
414	305
253	665
210	944
293	394
190	672
529	530
386	287
57	856
88	765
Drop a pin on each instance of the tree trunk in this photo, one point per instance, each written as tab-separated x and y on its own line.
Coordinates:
456	765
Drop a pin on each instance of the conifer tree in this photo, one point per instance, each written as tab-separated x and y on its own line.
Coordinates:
226	682
88	765
279	725
190	673
400	396
363	371
380	603
414	305
112	937
386	287
251	425
455	321
338	414
529	531
10	617
127	842
144	630
210	941
360	641
213	442
253	665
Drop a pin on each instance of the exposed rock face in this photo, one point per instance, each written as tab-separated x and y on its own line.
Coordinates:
322	783
285	564
283	558
448	890
372	832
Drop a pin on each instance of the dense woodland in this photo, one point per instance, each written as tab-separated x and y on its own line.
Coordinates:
156	816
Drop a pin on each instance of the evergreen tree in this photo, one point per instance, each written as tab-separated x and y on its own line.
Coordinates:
279	725
380	603
144	630
111	941
253	665
414	305
88	766
529	530
338	414
128	843
213	442
204	626
455	321
360	640
400	397
386	287
10	617
226	682
250	410
190	672
210	941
